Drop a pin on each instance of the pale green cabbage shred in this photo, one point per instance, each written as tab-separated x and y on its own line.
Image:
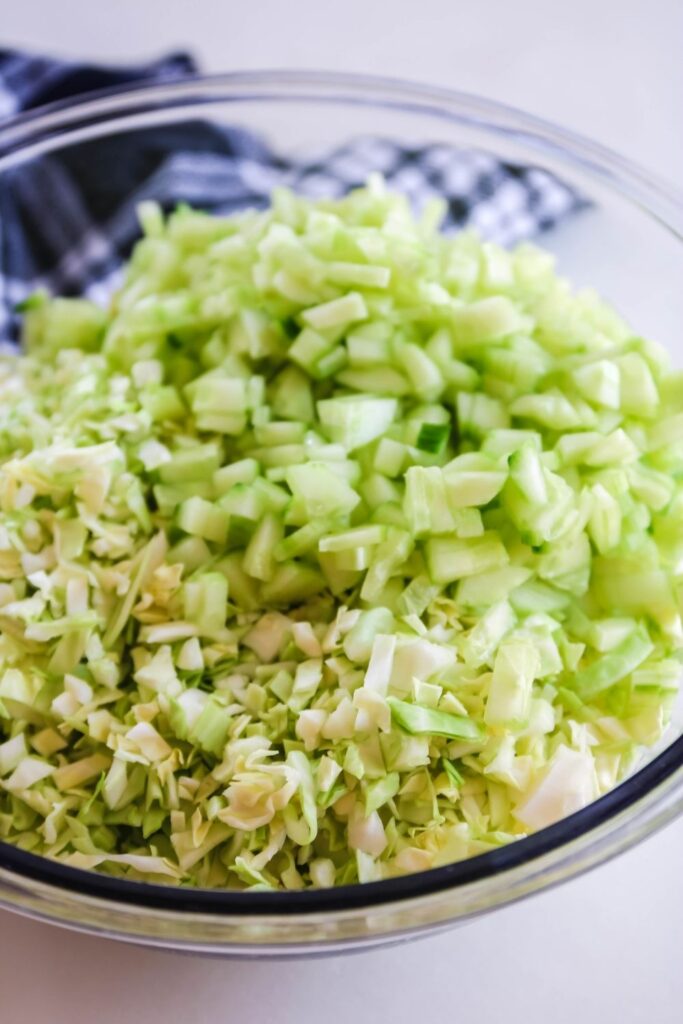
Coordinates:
334	549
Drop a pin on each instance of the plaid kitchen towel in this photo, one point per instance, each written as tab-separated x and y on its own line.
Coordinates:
67	219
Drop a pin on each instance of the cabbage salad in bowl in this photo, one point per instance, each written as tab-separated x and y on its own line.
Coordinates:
334	549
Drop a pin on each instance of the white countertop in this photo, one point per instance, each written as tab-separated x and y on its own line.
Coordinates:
605	947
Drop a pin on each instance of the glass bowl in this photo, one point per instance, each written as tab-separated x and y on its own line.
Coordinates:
627	243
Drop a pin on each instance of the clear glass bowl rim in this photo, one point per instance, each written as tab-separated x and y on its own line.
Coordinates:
638	806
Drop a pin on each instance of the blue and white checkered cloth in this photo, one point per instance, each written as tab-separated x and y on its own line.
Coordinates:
67	219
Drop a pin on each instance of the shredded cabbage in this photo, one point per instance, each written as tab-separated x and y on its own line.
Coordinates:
333	549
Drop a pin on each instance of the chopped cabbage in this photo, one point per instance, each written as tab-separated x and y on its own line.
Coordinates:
333	549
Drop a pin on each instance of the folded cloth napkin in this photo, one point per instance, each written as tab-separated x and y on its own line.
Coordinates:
67	219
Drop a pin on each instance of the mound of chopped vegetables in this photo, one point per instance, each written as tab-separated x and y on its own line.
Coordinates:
334	549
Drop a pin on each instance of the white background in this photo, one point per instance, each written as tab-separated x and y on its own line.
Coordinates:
604	948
